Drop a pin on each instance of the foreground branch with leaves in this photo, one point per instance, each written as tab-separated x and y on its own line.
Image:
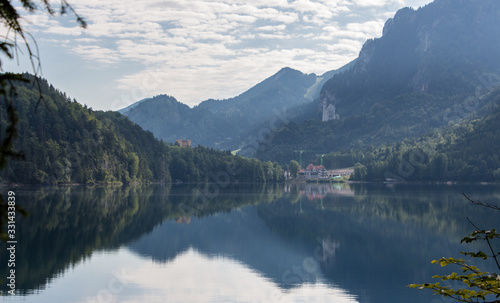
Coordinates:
479	286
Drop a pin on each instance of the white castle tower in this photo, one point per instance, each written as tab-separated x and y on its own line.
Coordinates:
329	111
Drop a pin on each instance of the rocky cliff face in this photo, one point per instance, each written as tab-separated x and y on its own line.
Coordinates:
440	49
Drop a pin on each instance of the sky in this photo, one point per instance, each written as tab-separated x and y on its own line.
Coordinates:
195	50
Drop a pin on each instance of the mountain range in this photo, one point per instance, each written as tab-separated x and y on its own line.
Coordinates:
440	50
222	123
413	79
433	70
430	68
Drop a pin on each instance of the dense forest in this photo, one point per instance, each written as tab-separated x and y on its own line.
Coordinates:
406	116
465	151
64	142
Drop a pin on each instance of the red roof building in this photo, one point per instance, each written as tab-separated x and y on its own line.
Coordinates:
315	171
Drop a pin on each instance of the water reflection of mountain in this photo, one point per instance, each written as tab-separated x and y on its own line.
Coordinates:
292	248
243	235
367	239
240	235
66	225
384	237
372	244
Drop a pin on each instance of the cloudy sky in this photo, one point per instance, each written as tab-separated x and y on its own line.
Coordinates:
196	49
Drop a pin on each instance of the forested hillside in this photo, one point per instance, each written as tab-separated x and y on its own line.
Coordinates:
64	142
404	117
465	151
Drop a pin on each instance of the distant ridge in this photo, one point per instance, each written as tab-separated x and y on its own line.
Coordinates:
221	123
126	110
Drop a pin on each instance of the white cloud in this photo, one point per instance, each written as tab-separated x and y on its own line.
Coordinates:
369	28
273	36
308	6
97	54
271	28
224	46
225	78
345	46
378	3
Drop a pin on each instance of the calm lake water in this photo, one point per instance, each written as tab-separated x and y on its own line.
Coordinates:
241	243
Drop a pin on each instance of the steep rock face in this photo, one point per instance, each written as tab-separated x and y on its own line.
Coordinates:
440	49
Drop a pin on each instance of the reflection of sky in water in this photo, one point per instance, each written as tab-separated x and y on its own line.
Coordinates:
191	277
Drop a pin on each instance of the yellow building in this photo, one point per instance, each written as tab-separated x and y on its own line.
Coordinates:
183	142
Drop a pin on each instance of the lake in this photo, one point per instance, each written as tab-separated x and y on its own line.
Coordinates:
239	243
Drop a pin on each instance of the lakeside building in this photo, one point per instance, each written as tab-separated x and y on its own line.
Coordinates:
313	172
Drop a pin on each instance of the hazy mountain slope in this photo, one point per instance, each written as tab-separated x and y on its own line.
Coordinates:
161	113
288	85
314	91
425	71
126	110
221	123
